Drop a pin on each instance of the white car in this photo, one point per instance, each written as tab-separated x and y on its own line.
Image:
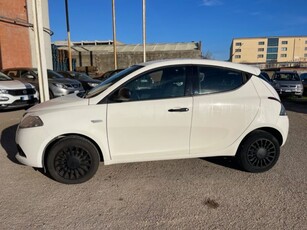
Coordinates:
157	110
15	94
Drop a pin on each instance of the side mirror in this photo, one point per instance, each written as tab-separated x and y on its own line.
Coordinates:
124	94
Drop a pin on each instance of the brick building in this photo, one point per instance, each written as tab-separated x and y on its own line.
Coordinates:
17	47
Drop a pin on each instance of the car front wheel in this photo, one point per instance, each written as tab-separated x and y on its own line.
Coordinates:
259	152
72	160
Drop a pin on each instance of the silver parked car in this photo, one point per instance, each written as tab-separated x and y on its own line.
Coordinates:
288	83
304	81
58	84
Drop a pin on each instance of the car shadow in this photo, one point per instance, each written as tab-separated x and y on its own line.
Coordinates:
228	162
8	142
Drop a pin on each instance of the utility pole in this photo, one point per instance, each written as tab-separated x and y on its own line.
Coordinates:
114	34
144	30
40	50
68	36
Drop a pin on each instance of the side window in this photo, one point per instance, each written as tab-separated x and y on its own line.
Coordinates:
214	80
12	73
168	82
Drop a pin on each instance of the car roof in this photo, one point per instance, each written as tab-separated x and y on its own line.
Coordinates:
246	68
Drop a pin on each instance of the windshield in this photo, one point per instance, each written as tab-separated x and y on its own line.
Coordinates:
54	75
286	77
4	77
110	81
82	76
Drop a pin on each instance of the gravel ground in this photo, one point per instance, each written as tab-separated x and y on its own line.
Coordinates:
180	194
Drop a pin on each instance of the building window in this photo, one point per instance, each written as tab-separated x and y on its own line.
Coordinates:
238	50
260	49
305	48
273	41
305	55
238	43
284	42
306	42
261	43
271	57
283	55
237	56
284	49
272	50
260	56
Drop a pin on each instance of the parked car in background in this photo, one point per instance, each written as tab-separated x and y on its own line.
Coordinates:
86	81
304	81
265	76
159	110
287	83
15	94
108	74
58	85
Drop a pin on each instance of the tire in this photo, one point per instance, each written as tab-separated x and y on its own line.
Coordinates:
72	160
259	152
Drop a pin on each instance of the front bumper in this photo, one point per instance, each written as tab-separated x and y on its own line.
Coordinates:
18	101
30	151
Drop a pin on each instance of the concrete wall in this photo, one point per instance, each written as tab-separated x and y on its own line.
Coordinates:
15	47
105	61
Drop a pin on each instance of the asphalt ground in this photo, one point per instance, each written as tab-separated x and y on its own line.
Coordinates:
198	193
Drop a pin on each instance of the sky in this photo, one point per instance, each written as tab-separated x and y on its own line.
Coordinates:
213	22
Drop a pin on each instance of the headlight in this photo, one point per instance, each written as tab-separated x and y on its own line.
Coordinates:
92	84
3	91
60	85
31	122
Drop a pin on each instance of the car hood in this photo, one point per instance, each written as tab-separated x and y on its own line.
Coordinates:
15	84
63	102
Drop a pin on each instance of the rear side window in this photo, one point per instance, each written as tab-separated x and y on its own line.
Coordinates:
215	79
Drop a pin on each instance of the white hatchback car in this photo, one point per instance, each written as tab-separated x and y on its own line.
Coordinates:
157	110
15	94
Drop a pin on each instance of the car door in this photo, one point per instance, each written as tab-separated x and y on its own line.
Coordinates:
149	118
225	104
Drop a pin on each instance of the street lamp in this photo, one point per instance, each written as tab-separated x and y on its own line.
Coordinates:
114	34
68	36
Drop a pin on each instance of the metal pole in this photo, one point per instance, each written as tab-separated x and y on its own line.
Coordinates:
40	50
68	36
144	30
114	35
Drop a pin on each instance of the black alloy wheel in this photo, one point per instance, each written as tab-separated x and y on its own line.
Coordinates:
73	160
259	152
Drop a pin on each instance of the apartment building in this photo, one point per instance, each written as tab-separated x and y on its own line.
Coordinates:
270	51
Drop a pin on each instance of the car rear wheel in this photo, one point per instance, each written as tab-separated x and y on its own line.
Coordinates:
73	160
259	152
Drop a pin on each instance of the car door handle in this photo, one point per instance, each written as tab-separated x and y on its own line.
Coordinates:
179	110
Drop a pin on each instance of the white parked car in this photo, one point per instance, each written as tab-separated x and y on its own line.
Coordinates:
157	110
15	94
